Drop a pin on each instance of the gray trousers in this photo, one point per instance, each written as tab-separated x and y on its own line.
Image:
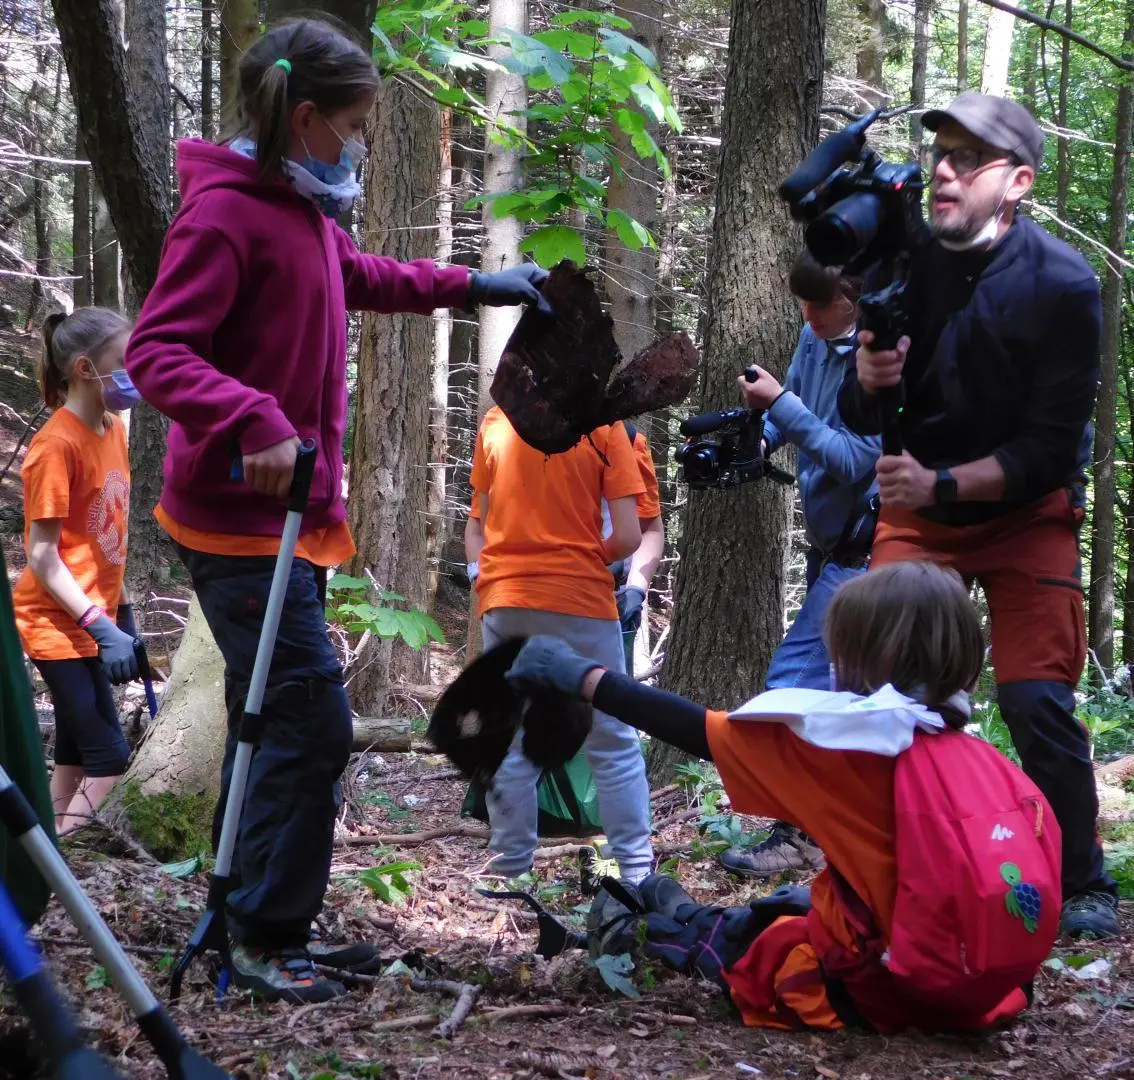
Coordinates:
612	748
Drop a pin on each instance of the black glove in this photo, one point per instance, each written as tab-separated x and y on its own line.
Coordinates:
115	650
503	288
630	600
125	620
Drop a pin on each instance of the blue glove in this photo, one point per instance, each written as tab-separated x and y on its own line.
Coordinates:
115	650
630	601
547	661
503	288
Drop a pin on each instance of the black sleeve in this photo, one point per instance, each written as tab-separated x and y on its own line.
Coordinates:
1060	401
858	409
661	715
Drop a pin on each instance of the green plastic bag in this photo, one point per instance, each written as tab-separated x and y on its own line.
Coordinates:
21	754
568	801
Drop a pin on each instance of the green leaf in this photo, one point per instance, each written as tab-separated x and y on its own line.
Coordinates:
614	970
97	978
632	233
533	57
388	596
551	244
184	869
597	18
646	96
344	581
474	27
630	121
449	96
620	45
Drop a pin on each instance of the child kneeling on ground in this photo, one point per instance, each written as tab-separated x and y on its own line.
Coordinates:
941	896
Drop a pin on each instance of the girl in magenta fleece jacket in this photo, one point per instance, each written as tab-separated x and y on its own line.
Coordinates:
242	343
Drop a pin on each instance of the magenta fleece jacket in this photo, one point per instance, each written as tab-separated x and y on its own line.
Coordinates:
242	340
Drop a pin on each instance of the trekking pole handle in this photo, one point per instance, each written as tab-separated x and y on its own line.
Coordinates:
301	479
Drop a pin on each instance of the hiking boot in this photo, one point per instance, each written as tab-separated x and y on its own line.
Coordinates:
281	975
612	925
358	958
787	848
663	894
1089	915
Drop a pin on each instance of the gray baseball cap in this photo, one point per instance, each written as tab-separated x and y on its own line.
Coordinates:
1004	124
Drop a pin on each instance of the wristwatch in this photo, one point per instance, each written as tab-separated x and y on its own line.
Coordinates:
945	489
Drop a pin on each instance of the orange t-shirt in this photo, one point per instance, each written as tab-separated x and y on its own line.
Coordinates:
82	478
322	547
543	534
844	799
649	502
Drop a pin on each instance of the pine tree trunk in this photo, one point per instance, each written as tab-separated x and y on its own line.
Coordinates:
1128	582
208	52
81	233
871	48
505	94
105	259
42	219
1100	624
728	615
389	464
997	53
1062	166
962	46
922	11
240	26
148	75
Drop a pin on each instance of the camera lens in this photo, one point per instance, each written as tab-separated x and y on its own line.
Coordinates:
699	460
846	229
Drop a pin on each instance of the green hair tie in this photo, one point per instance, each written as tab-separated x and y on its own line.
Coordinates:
285	64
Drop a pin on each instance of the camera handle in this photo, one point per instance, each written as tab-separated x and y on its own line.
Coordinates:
883	314
780	476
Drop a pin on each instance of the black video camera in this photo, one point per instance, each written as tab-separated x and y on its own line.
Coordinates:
733	457
863	212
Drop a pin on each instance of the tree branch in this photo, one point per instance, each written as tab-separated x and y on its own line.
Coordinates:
1065	31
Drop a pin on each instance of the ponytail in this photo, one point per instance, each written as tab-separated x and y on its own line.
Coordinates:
52	380
270	106
85	332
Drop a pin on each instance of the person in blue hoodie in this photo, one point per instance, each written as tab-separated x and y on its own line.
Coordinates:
835	471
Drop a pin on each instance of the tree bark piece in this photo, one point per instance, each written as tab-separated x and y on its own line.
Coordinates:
728	612
476	832
554	379
1116	772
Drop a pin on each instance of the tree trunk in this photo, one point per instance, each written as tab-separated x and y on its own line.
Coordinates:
81	233
962	46
1062	166
1100	623
1128	584
148	77
922	11
389	464
42	219
240	26
208	52
997	53
505	94
183	748
871	49
132	174
106	258
728	615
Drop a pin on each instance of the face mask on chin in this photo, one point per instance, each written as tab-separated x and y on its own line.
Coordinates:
986	235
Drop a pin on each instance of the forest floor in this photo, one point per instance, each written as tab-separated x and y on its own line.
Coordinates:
531	1018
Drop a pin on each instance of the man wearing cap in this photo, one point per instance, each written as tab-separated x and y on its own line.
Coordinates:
999	370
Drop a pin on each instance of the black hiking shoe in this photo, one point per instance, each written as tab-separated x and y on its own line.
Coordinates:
281	975
787	848
357	958
1090	915
663	894
612	922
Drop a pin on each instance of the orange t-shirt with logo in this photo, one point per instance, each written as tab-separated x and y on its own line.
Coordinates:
543	533
649	502
82	478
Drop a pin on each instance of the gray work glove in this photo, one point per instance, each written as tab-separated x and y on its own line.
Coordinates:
630	602
115	650
547	661
503	288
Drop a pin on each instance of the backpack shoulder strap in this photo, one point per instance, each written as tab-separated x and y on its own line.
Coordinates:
631	431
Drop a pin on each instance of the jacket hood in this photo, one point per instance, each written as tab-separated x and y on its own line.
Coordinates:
202	166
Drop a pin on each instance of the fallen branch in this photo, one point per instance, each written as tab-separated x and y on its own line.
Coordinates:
1116	772
411	839
1063	31
559	851
514	1012
27	428
466	995
79	943
417	1021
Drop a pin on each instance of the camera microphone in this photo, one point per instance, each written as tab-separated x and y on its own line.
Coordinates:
836	149
710	421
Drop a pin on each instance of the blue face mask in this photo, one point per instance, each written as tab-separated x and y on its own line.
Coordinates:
121	394
344	170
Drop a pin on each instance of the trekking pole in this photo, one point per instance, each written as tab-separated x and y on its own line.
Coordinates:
211	932
147	676
51	1018
180	1061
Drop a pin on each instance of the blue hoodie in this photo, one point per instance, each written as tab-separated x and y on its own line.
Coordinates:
835	466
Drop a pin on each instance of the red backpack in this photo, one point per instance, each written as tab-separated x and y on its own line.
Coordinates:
978	854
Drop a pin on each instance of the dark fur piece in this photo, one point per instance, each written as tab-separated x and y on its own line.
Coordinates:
554	380
478	716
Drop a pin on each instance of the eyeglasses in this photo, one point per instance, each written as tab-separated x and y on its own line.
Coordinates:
965	160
